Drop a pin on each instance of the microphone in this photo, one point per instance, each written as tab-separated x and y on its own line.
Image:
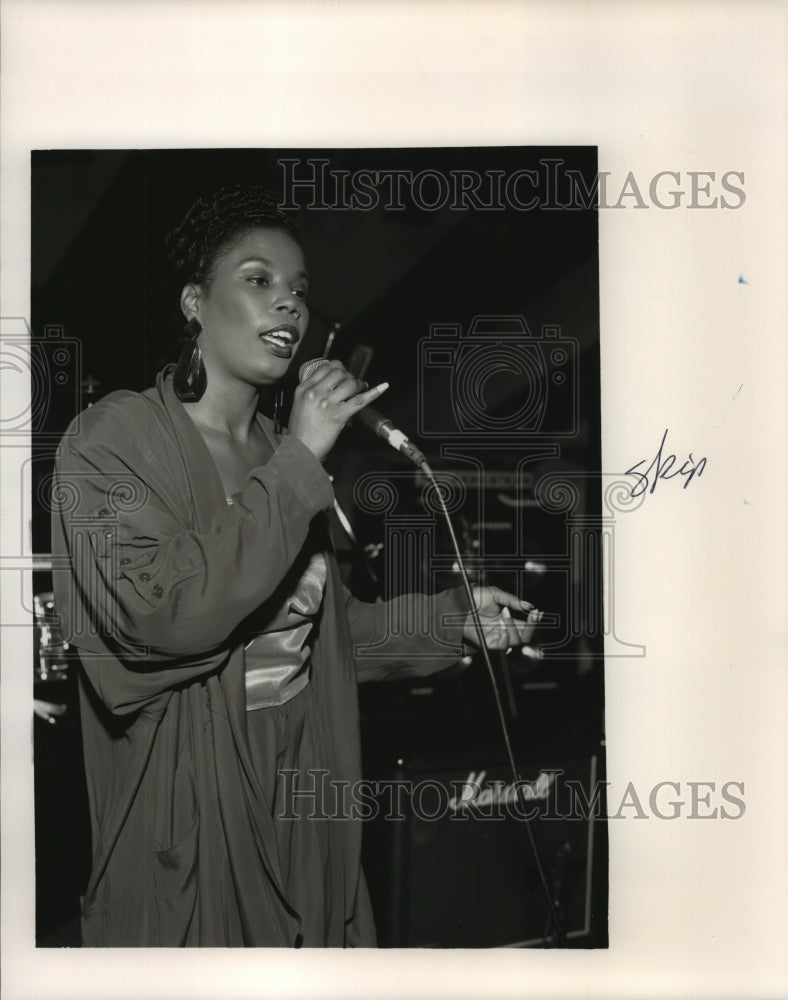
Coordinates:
372	420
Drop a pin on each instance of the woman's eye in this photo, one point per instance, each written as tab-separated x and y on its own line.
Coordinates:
301	293
258	279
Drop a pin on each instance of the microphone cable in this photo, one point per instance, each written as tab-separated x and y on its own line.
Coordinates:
418	458
518	782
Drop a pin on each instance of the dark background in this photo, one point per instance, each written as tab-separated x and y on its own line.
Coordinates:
98	223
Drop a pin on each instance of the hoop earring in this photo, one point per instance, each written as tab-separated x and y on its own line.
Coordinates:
279	402
189	378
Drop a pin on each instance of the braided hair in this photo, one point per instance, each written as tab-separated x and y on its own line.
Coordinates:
214	223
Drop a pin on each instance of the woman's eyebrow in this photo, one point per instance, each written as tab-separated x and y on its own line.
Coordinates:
267	263
256	260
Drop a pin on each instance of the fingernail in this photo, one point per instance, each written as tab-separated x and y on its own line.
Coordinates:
506	613
526	604
382	387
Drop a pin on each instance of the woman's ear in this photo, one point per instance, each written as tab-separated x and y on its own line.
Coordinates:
190	301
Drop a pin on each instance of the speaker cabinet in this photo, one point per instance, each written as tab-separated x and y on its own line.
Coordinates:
449	863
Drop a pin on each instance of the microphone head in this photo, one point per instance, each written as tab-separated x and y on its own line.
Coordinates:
310	367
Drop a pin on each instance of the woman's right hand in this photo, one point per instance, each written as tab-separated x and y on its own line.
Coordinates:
324	403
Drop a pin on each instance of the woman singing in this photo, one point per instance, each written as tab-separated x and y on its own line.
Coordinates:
216	639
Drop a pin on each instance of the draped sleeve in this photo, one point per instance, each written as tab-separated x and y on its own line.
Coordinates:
142	581
413	635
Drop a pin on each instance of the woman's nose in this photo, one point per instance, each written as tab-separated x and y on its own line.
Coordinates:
288	303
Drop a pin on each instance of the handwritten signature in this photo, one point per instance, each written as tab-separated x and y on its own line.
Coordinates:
660	468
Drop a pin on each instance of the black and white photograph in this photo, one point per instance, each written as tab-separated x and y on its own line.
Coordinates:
358	716
392	504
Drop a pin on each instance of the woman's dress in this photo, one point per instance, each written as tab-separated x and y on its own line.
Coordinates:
200	808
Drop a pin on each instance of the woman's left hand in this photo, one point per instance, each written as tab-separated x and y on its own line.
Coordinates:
501	628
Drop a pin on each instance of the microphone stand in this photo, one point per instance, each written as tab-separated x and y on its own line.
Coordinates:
418	459
363	558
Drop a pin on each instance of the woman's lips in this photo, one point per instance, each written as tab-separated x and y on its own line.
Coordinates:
278	347
281	341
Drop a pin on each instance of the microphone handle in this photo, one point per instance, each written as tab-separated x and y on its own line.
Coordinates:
386	430
374	421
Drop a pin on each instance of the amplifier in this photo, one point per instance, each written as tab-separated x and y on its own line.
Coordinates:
448	860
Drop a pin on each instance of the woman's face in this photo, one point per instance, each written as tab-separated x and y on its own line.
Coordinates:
253	312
